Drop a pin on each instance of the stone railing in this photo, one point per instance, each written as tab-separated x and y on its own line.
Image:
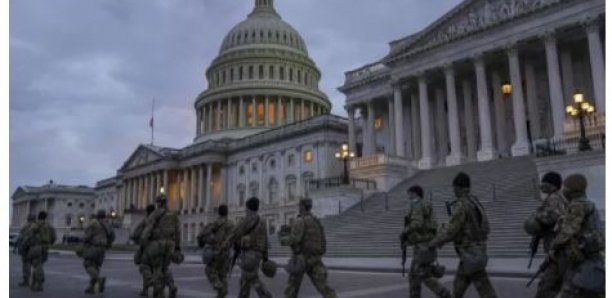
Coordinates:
567	145
377	160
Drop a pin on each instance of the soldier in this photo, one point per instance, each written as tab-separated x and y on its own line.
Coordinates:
579	243
212	236
250	237
42	235
21	244
541	225
135	236
161	239
420	227
468	228
307	240
99	237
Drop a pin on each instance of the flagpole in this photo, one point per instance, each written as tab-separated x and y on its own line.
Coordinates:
153	122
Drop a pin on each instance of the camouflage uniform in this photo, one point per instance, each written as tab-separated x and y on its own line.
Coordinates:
42	235
307	237
22	249
468	229
551	210
135	236
254	244
161	239
213	235
420	228
580	238
98	237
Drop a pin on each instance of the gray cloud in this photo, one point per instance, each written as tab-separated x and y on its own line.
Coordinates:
83	73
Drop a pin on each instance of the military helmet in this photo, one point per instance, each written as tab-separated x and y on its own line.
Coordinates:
31	218
306	203
268	268
575	183
532	226
178	257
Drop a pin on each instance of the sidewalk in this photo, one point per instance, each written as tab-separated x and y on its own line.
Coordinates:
500	267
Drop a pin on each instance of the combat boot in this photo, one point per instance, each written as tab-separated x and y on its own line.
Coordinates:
101	284
24	283
90	289
172	291
144	292
36	286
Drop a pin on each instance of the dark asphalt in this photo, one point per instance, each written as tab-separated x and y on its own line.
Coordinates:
65	277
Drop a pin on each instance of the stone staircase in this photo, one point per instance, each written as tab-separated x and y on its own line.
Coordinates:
506	188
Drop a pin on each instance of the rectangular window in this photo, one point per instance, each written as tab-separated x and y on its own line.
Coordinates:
261	72
260	114
251	72
271	73
281	73
240	72
378	123
250	114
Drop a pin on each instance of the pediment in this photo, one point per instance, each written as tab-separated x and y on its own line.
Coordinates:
141	156
469	17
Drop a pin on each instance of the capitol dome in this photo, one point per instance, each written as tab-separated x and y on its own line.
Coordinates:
262	78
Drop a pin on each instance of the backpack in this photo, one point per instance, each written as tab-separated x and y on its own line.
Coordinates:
46	234
479	220
315	244
592	240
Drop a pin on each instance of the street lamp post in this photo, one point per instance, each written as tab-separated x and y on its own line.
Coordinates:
345	154
581	109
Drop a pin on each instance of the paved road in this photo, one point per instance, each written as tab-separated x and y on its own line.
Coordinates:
65	277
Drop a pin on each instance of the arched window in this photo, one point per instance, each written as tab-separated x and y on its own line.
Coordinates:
290	185
68	220
241	195
240	72
290	160
299	76
281	73
272	190
254	189
306	178
290	74
271	72
251	72
261	72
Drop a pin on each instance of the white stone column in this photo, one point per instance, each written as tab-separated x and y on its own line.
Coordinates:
242	113
554	84
219	107
201	182
254	115
230	113
426	161
186	182
166	190
209	188
398	108
521	144
440	126
567	74
266	111
302	110
455	156
199	122
279	118
598	69
158	184
416	127
194	191
470	128
391	128
500	112
291	111
370	127
351	129
487	150
210	117
223	182
532	100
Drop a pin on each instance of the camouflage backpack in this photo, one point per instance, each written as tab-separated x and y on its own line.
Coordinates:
480	228
46	234
314	242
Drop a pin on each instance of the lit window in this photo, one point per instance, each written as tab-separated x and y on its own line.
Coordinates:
378	123
307	156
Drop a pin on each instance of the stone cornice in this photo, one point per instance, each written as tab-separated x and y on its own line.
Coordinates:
261	88
469	18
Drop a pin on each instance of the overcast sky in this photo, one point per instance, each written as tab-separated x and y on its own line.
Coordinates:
83	73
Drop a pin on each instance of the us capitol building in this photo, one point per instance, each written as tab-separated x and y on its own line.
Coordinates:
263	129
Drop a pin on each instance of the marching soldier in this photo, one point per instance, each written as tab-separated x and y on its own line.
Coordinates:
136	234
579	243
307	241
42	235
21	244
161	239
99	236
251	238
468	228
541	225
420	227
215	256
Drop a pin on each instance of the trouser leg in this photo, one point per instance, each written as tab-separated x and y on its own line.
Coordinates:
293	285
483	285
318	276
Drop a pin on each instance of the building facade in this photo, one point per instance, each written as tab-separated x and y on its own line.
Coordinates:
487	80
68	208
263	129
